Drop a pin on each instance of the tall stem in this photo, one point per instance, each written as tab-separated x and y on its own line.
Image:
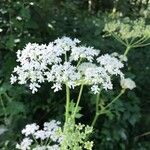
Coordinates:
78	100
67	102
97	101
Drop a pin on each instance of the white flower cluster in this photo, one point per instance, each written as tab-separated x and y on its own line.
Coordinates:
52	63
99	76
49	134
65	61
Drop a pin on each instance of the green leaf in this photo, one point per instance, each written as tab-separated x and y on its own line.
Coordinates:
14	108
4	88
25	13
72	108
10	42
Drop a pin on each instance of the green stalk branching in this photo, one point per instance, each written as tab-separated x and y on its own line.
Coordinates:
104	108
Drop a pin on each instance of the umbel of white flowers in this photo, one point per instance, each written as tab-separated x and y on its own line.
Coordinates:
65	61
48	135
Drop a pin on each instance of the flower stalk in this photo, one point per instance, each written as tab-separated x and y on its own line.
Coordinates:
78	100
103	109
67	102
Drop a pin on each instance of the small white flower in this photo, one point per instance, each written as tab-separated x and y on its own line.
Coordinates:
51	129
75	30
13	79
50	25
34	87
30	129
95	89
40	134
17	40
123	58
127	84
19	18
1	30
25	144
31	3
56	87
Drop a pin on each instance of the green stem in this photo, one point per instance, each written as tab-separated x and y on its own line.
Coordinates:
132	41
127	50
4	109
97	110
78	100
95	119
35	139
8	98
142	45
66	56
67	102
97	102
118	39
116	98
141	40
79	62
98	113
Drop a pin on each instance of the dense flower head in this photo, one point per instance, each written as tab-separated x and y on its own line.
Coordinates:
65	61
48	135
127	29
